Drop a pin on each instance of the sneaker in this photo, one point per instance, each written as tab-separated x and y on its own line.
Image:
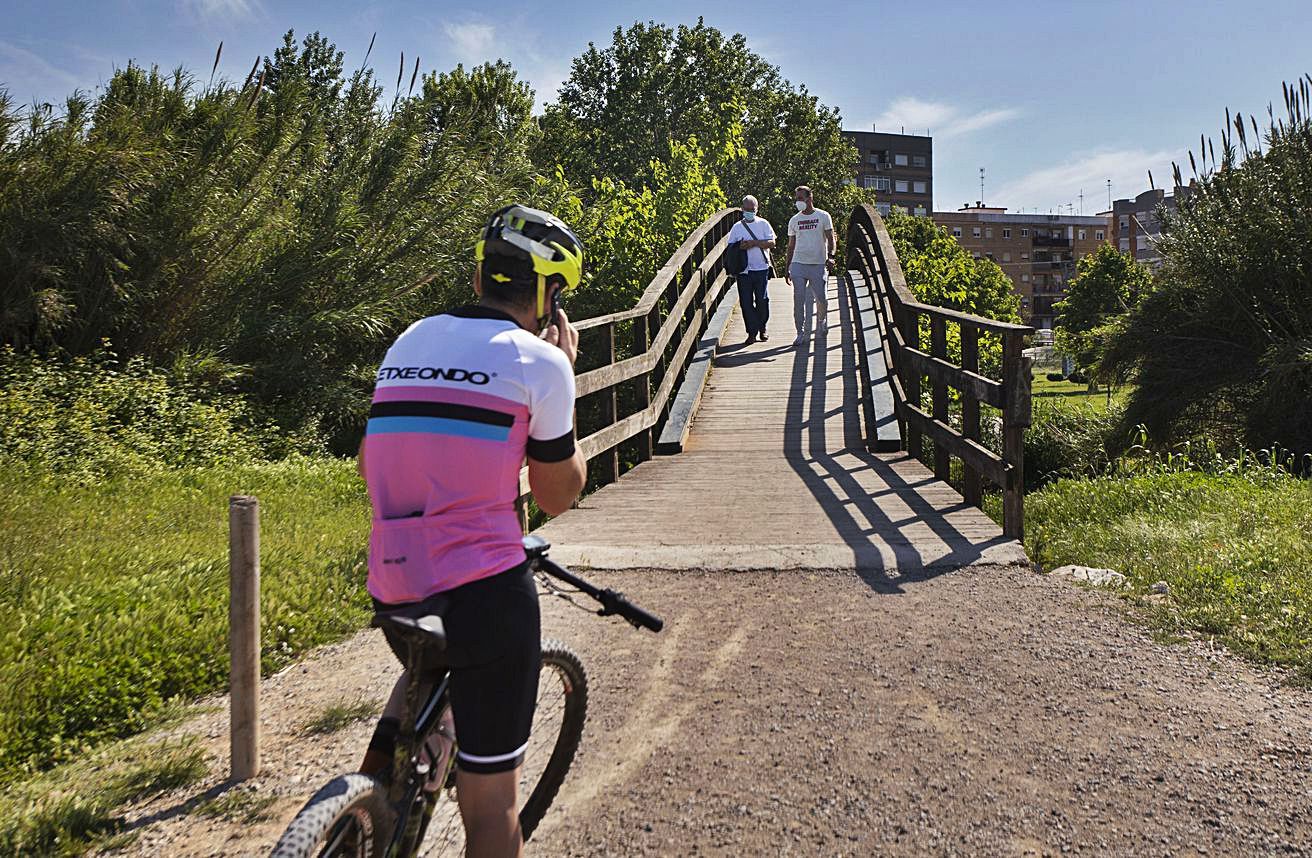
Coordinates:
764	336
751	338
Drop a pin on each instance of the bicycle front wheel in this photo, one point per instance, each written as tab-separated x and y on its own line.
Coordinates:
347	818
562	709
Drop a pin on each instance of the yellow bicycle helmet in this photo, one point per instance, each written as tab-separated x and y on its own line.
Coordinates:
537	237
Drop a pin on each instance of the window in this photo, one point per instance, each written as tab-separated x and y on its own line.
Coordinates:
1125	245
1100	235
1024	256
874	158
883	209
1006	257
901	186
956	232
1024	232
918	187
900	160
975	231
1006	233
1125	221
918	161
882	183
988	232
1024	278
868	181
1083	235
902	209
920	211
975	254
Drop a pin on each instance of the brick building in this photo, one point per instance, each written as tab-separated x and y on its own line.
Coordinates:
1038	252
1136	225
899	167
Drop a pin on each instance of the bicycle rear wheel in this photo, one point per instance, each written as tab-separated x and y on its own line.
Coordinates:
558	720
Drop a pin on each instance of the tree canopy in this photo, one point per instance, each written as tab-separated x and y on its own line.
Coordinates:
624	104
1107	285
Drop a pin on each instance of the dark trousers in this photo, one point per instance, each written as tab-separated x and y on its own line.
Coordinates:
754	296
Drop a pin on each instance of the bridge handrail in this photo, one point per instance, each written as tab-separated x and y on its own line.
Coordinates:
667	321
870	251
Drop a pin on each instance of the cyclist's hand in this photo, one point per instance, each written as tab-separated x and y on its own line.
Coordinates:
563	335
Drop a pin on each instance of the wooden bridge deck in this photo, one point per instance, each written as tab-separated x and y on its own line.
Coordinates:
775	475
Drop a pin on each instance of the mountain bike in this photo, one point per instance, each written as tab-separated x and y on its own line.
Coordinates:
414	812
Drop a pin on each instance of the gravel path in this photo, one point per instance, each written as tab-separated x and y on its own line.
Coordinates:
987	711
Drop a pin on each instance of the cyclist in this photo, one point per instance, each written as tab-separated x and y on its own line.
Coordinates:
462	398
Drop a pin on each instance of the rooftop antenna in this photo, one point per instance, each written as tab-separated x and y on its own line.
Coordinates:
981	187
1109	195
1081	201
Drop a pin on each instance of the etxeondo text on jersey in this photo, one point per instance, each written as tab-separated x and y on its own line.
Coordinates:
389	373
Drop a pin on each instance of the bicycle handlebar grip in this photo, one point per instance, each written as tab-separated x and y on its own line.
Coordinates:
617	604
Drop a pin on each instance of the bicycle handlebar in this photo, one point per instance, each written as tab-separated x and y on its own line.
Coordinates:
612	602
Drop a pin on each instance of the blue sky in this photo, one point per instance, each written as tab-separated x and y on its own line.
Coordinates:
1051	98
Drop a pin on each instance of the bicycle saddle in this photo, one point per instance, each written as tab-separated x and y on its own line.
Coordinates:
425	633
535	547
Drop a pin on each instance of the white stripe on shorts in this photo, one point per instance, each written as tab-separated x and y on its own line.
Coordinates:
497	758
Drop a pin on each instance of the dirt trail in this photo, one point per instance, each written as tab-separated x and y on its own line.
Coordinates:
987	711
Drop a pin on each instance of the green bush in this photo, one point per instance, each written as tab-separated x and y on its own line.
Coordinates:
115	594
1070	440
92	417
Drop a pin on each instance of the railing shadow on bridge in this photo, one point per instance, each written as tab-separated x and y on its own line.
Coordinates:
897	331
882	557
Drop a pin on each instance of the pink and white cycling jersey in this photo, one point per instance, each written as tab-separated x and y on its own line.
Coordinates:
461	398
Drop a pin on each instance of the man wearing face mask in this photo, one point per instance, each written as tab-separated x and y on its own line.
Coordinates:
757	238
810	253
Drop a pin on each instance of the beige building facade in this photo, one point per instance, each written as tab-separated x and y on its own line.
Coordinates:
1037	252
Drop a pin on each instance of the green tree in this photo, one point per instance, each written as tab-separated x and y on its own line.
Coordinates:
1108	284
1223	345
624	104
940	271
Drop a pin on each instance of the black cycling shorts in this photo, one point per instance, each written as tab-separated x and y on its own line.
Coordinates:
494	652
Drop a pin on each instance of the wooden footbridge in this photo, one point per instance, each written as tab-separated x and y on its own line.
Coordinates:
712	454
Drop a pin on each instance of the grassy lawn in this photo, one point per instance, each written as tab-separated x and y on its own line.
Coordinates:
1235	550
115	594
1070	393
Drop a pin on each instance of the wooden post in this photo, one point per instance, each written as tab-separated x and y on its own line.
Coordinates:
641	342
970	488
938	347
610	409
1015	417
244	634
910	378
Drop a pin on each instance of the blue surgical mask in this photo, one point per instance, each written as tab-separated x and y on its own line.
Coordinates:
749	216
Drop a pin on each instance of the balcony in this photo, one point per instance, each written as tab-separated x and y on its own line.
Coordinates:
1048	241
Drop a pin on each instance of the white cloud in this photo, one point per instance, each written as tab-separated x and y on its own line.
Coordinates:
938	118
26	75
1049	188
471	42
223	10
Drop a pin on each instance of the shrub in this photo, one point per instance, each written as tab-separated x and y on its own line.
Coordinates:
1070	440
1056	376
92	417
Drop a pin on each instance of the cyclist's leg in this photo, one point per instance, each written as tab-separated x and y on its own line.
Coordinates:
494	645
489	807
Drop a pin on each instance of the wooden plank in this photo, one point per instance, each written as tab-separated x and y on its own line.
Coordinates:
971	489
941	372
979	457
938	345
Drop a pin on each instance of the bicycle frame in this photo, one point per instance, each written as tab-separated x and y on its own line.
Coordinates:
410	771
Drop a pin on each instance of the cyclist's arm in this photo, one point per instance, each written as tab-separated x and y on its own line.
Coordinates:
556	485
557	470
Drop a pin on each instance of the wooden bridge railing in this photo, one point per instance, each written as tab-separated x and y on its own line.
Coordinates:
631	361
870	251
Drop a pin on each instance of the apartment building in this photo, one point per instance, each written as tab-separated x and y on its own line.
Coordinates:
1137	225
898	167
1038	252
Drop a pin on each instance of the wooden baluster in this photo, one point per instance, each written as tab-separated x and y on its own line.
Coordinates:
910	378
938	346
610	413
641	342
1015	417
970	489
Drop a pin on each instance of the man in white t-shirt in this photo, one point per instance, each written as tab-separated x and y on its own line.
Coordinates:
810	256
758	238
